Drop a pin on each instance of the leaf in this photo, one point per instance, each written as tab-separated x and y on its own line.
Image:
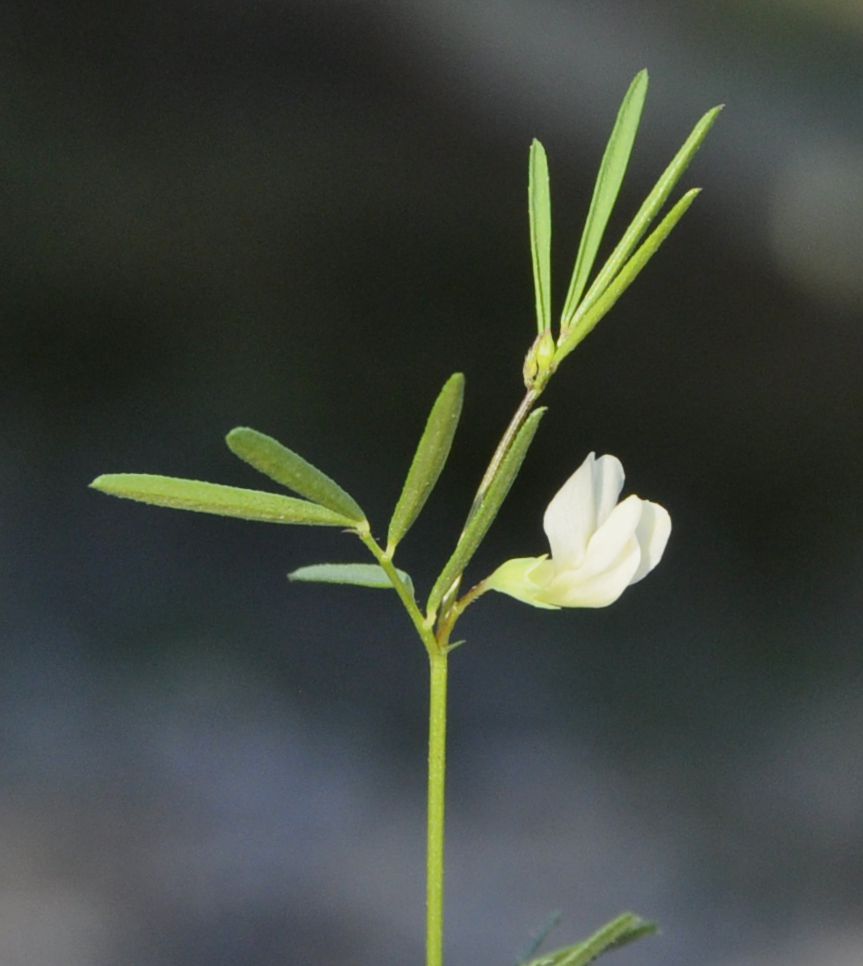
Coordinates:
539	213
605	191
429	459
619	932
483	513
648	211
357	574
540	937
626	277
226	501
286	467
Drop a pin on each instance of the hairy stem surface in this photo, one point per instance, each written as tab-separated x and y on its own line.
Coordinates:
503	446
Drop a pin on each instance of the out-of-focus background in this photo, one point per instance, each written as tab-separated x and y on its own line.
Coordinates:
303	216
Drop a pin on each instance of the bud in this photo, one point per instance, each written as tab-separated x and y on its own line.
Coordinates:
539	361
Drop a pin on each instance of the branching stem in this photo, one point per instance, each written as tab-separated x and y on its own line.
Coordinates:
437	647
404	592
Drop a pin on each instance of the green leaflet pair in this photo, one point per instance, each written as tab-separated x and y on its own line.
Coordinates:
324	502
582	310
621	931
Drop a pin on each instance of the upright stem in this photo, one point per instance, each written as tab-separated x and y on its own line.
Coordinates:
437	646
436	799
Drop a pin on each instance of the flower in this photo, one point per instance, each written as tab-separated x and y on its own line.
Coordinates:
598	546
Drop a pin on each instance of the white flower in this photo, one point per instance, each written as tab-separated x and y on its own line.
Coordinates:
598	546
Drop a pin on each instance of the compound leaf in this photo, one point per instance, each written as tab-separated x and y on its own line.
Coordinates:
619	932
645	215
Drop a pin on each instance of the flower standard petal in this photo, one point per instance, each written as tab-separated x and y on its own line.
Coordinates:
652	533
608	477
570	518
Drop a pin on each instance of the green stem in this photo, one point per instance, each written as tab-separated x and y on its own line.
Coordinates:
437	654
446	619
436	805
458	608
503	446
404	593
436	646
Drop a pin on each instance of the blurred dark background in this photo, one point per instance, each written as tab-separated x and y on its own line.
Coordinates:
303	217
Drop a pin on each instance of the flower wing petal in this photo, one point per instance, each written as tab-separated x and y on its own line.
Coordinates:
595	589
606	545
613	557
652	533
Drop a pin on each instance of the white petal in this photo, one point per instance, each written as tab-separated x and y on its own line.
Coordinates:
599	547
613	556
570	518
609	541
585	589
652	534
608	479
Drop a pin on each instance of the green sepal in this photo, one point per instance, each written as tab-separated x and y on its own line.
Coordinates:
539	214
605	191
357	574
585	323
287	468
644	216
429	459
619	932
484	510
225	501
